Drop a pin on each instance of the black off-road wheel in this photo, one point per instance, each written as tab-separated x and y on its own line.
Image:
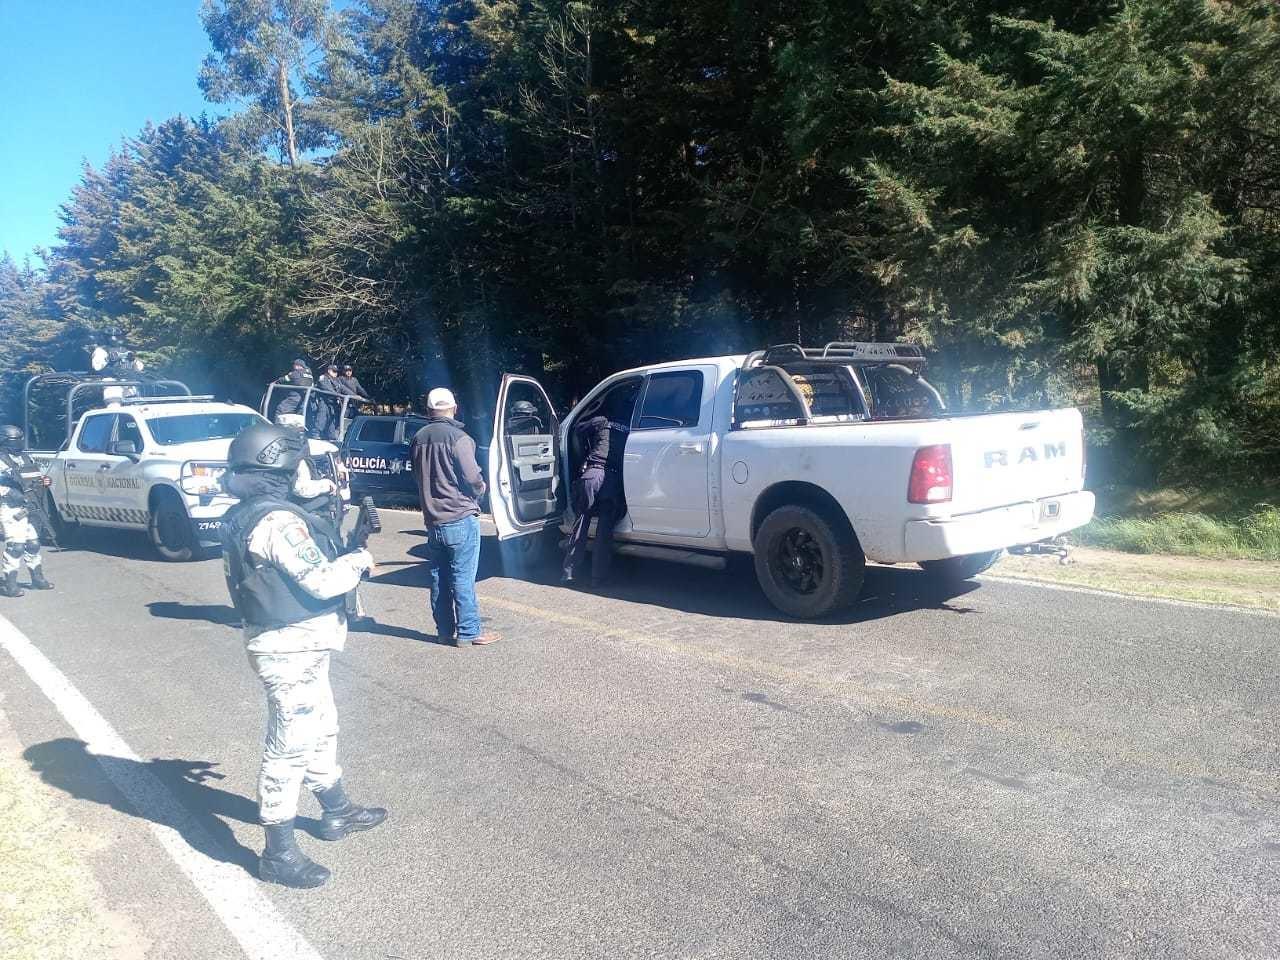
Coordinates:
808	562
170	529
65	530
955	570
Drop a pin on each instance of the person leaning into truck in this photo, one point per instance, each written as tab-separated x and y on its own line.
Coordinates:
597	490
450	485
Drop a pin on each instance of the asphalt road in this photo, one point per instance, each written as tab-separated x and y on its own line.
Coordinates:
671	770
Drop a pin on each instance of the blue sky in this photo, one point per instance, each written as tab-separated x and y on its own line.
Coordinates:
75	77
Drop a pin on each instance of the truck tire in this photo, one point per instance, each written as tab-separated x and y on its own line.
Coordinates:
955	570
808	563
169	528
65	530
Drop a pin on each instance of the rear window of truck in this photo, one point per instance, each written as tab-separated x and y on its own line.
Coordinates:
771	396
898	393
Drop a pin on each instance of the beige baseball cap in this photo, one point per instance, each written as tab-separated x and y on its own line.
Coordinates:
441	398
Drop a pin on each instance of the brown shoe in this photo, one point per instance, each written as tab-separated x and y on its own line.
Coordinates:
484	638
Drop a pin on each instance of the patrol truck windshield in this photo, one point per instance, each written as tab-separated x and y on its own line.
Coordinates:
194	427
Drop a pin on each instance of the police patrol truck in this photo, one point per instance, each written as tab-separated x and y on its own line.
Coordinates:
151	463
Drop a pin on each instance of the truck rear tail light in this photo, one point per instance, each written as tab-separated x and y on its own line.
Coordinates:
930	475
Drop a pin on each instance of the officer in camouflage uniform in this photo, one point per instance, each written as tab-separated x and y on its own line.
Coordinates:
21	540
288	579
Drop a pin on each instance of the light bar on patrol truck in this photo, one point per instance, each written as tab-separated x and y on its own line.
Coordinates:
200	398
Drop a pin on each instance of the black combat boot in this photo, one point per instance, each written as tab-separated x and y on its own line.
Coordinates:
283	863
342	817
10	586
38	580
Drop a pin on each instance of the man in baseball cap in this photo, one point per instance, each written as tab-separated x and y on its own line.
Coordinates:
450	486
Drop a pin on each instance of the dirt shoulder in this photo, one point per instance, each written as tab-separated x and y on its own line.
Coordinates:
1242	583
51	906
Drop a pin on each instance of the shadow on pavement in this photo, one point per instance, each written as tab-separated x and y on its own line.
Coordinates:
226	616
125	544
732	593
68	765
209	612
735	594
376	629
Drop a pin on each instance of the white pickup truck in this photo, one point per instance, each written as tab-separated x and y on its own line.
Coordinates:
813	461
154	464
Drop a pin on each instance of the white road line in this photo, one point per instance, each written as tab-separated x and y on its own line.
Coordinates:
1120	595
235	897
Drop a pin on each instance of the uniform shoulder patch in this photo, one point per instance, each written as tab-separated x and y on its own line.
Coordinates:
295	534
311	555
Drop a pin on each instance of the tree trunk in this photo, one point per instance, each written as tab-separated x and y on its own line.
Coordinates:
286	106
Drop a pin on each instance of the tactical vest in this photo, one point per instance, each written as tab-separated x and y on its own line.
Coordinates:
24	472
265	596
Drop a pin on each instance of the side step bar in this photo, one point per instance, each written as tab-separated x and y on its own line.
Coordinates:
690	558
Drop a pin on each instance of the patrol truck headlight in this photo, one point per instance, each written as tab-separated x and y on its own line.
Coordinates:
202	479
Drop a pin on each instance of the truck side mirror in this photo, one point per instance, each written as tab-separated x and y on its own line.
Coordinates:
125	448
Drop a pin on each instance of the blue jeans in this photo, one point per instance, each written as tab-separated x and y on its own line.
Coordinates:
454	549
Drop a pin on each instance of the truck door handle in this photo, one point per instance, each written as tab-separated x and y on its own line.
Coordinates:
690	448
105	466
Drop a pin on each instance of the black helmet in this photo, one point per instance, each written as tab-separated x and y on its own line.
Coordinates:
11	437
524	408
265	446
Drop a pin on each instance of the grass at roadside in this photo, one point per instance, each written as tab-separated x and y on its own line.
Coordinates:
1242	583
50	905
1232	523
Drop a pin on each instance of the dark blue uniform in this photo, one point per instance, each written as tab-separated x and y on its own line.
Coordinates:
597	493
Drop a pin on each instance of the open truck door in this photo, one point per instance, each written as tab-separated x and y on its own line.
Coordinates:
525	492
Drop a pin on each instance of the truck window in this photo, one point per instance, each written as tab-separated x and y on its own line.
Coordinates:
764	398
193	427
671	400
96	433
378	431
829	391
127	429
527	413
899	394
412	426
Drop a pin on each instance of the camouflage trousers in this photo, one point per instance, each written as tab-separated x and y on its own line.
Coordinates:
21	541
301	748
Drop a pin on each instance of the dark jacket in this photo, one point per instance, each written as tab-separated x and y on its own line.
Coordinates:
603	443
291	400
332	384
450	484
352	386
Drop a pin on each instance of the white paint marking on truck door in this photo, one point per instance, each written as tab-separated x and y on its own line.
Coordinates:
249	916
